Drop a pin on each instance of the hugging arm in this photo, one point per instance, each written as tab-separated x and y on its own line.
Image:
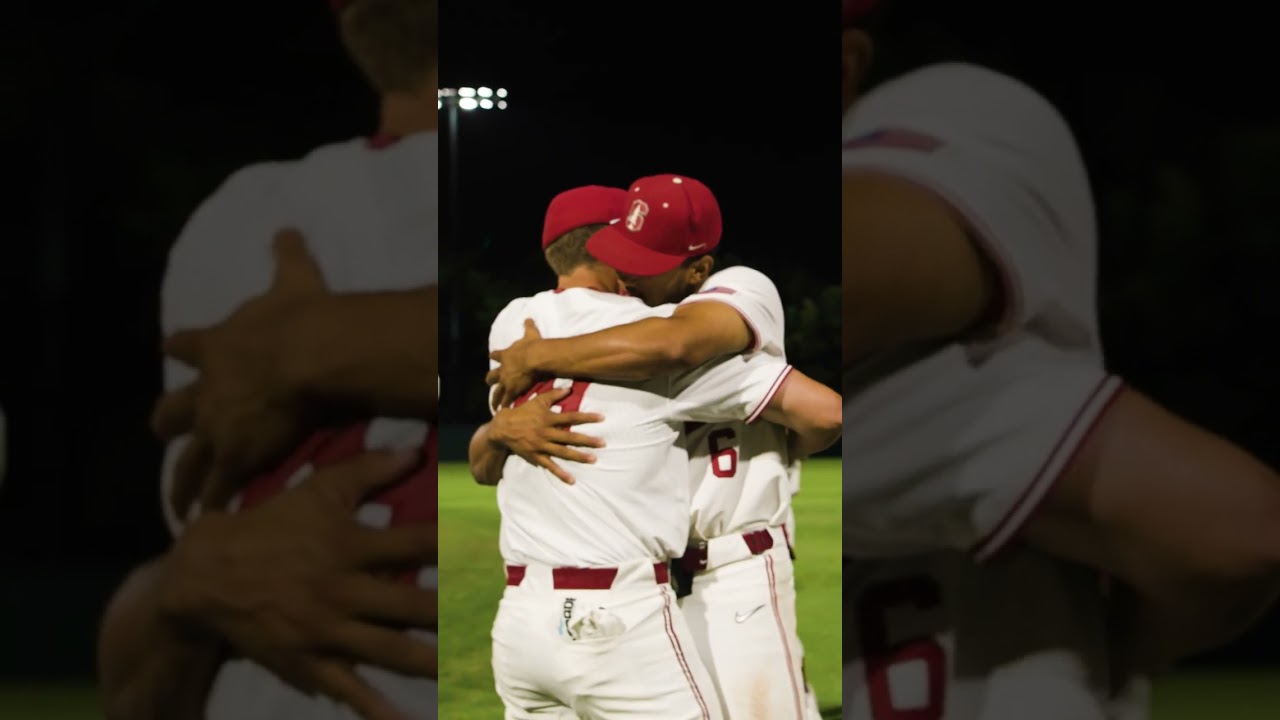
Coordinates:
811	411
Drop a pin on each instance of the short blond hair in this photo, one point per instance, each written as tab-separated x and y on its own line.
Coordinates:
569	251
395	43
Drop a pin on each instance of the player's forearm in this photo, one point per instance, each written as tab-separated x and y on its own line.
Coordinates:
802	445
151	665
1164	609
1160	631
487	457
373	352
813	412
813	441
637	351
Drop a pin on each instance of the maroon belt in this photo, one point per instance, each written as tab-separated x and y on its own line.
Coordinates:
571	578
694	559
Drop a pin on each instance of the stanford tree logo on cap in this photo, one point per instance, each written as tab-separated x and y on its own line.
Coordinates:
635	218
669	219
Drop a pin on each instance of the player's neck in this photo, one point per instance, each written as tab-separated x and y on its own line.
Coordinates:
585	277
408	114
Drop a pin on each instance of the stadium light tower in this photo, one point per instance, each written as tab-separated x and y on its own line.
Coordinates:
455	102
468	99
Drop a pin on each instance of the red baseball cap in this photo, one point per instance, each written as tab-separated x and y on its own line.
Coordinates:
589	205
668	219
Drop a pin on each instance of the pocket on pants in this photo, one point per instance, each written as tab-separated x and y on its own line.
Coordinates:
585	622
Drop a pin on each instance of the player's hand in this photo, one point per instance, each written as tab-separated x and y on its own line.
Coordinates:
244	412
299	586
513	375
537	433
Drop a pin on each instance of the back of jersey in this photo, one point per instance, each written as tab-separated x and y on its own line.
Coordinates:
633	503
371	214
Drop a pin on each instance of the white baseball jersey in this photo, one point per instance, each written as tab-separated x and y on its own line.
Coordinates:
936	637
739	472
369	212
951	446
633	503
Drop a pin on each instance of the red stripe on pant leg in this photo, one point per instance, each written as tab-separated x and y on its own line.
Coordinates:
684	664
782	634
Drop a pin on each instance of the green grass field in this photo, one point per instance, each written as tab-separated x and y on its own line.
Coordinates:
471	583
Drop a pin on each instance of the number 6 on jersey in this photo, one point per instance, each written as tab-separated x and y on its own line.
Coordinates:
721	444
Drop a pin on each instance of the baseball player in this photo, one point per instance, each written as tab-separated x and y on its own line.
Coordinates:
580	625
738	565
980	408
368	208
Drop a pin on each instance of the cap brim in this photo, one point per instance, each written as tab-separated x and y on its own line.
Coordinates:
612	247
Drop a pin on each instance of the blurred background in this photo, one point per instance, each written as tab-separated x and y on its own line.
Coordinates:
121	118
1182	143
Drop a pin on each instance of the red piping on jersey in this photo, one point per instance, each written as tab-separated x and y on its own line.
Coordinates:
773	390
621	292
1089	416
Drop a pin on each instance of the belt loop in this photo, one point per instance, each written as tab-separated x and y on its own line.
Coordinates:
515	574
758	541
791	549
661	573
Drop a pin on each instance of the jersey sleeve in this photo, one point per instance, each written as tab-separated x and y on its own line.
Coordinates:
1006	161
212	268
756	299
733	388
507	328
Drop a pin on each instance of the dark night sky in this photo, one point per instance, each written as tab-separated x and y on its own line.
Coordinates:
598	99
